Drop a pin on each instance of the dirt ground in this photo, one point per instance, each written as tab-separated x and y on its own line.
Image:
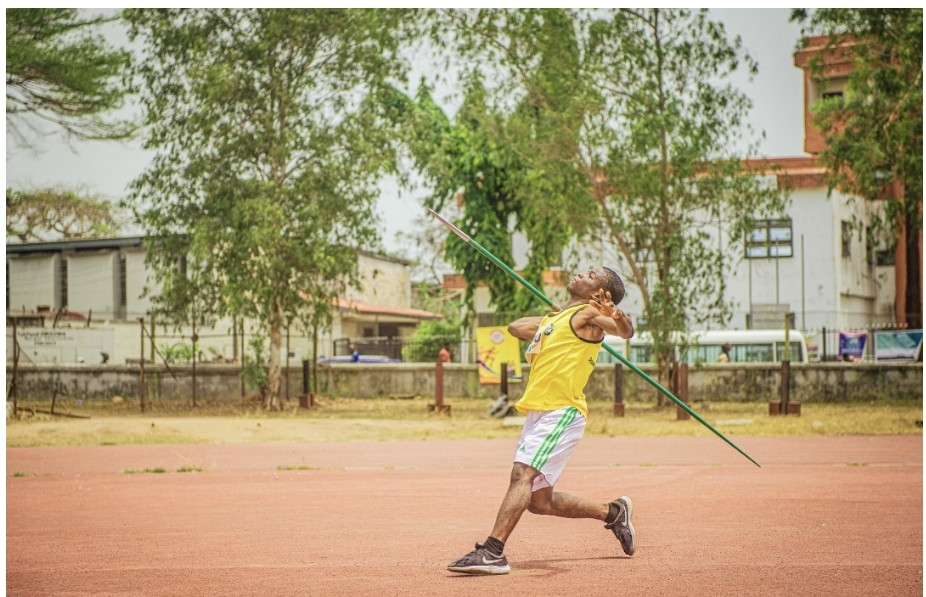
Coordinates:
826	516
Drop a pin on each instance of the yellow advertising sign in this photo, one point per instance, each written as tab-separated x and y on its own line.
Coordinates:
495	346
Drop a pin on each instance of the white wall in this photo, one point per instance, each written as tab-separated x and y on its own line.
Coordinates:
34	281
136	279
94	284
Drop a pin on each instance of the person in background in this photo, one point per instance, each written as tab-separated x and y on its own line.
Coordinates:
444	355
724	356
354	354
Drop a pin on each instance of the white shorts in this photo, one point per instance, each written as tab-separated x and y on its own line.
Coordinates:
547	442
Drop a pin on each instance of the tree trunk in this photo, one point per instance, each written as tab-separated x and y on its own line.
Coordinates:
272	399
913	303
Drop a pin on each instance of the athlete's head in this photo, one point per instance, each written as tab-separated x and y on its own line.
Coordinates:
586	285
613	284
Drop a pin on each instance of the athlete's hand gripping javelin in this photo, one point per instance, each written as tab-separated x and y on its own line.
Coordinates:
605	315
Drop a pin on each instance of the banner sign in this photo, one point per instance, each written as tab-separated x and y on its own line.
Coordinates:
852	344
496	346
898	345
43	338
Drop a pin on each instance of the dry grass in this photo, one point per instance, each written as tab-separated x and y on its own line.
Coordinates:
409	419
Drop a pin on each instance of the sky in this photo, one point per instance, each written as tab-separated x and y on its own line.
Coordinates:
105	169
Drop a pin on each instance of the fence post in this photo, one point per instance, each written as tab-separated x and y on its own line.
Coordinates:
194	338
504	379
12	390
141	367
618	390
307	399
439	407
681	378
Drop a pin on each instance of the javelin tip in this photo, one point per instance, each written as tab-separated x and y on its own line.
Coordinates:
447	223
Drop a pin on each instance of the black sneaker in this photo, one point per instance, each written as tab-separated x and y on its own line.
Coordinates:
621	526
481	561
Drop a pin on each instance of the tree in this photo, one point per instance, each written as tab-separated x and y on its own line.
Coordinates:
59	69
486	159
622	127
662	142
429	338
49	214
874	133
267	130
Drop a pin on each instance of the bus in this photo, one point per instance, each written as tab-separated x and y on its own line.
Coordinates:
746	346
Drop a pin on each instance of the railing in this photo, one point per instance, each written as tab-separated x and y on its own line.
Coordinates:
828	347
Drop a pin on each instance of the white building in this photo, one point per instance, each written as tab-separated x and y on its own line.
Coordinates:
72	301
816	263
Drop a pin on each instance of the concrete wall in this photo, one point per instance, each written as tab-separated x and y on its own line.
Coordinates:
35	280
810	383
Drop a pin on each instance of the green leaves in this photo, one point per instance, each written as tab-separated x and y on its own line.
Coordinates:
50	214
874	135
270	140
61	70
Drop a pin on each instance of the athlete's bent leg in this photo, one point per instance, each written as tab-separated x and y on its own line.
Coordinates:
547	502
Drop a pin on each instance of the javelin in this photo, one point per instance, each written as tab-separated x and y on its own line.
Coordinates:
604	345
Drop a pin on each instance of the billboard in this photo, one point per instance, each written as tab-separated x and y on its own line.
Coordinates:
899	345
496	347
852	345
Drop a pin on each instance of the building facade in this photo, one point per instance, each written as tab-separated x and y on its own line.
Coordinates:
817	263
76	301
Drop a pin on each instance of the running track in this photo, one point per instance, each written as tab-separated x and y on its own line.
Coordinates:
826	516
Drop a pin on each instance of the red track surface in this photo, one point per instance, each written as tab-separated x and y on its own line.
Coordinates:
823	516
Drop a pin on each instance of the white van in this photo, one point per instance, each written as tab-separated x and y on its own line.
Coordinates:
746	346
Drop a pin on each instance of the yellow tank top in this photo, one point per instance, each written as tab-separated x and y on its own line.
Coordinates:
561	363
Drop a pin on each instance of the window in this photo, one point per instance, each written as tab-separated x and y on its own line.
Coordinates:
884	257
846	239
122	282
63	289
769	238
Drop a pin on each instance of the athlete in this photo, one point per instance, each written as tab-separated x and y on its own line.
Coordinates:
562	354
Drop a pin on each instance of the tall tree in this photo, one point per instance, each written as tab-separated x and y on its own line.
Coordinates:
874	133
269	147
49	214
60	69
662	144
491	158
623	126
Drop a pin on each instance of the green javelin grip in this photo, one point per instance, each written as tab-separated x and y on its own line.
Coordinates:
608	348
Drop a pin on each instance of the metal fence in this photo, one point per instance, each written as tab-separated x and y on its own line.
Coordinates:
846	344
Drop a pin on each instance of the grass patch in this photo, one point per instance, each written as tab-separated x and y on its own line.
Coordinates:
189	468
156	470
385	419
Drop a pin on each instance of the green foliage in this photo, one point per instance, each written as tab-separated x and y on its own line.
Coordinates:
874	136
60	69
269	143
254	372
429	338
612	128
48	214
662	139
508	161
176	353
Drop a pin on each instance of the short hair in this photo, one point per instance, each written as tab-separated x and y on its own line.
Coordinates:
614	285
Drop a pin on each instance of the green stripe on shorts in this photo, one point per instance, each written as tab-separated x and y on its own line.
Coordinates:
546	448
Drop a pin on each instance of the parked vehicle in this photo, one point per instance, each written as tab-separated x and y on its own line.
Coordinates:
746	346
364	358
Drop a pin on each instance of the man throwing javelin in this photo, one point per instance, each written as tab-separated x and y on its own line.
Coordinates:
562	355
